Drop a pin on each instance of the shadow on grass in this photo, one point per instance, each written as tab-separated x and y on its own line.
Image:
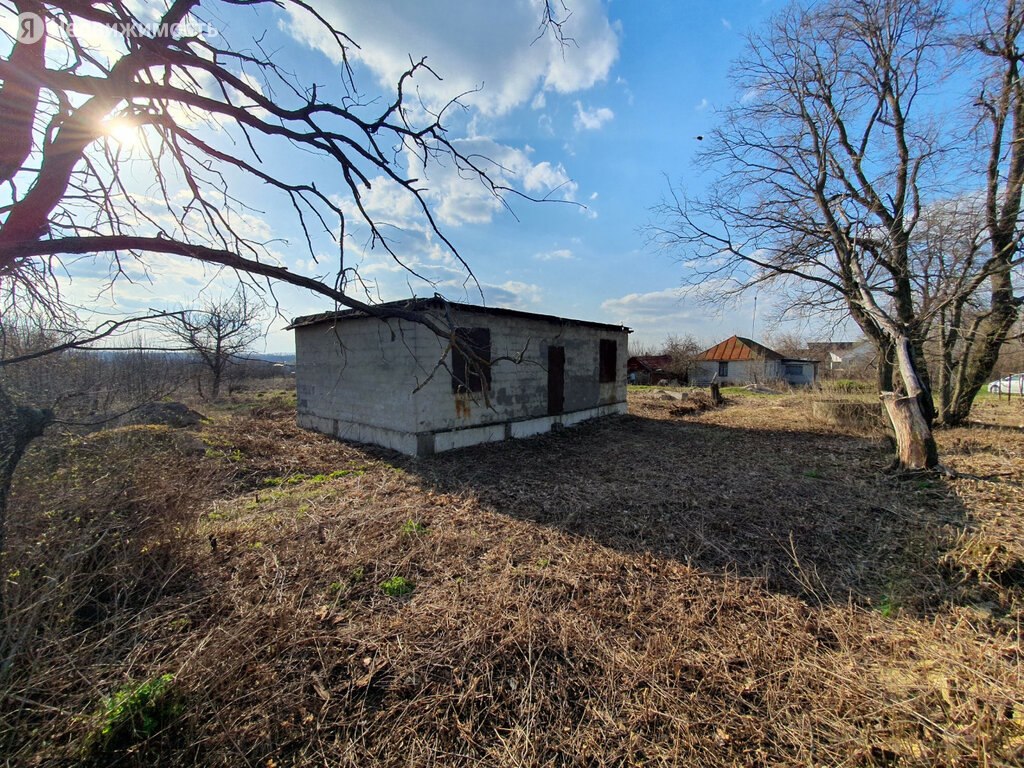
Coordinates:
814	515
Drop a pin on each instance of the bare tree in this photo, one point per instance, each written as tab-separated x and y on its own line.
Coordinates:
995	37
62	163
948	257
787	344
683	350
219	333
827	161
204	112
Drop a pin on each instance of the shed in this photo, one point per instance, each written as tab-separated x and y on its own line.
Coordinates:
649	369
396	384
742	361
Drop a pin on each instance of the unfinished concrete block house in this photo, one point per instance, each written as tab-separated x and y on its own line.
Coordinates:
378	381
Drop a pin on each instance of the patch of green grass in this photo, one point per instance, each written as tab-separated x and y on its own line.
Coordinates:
413	528
234	455
888	604
134	713
814	474
397	586
302	477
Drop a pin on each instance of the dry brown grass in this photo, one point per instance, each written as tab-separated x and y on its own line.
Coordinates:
738	586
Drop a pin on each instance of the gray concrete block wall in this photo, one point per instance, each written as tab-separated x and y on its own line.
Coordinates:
520	390
361	370
358	378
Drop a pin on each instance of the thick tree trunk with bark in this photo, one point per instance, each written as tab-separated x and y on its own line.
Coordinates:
915	444
986	339
19	426
911	413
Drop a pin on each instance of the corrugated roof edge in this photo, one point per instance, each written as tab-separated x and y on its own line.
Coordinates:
417	305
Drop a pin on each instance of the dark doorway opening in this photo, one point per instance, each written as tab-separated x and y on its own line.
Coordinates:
556	380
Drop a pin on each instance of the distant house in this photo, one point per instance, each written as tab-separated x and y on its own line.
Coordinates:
740	361
649	369
397	384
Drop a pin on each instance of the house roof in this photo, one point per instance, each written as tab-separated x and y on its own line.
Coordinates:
438	303
649	362
738	348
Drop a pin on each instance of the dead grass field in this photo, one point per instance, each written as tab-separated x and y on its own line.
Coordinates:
739	586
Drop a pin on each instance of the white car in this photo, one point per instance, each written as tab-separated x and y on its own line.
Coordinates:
1013	383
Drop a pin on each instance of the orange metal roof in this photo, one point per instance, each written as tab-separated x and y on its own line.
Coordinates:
739	348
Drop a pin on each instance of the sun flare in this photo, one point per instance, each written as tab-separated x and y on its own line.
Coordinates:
122	130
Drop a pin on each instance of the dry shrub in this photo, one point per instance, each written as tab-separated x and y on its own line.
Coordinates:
100	528
856	414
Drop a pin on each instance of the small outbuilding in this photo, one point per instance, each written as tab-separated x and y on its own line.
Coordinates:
740	361
397	384
650	369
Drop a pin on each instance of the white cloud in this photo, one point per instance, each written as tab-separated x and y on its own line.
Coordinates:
591	119
559	254
750	95
490	49
657	314
458	198
655	304
513	295
704	104
726	24
389	204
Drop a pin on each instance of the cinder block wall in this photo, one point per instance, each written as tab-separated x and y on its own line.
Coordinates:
520	391
361	370
365	371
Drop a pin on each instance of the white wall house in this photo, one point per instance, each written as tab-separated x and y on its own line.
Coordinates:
394	383
739	361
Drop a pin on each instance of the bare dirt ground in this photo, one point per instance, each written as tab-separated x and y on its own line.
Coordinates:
737	586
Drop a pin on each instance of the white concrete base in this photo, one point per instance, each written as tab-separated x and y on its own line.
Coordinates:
403	442
427	443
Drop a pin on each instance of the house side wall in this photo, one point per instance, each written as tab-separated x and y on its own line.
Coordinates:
741	372
355	380
520	390
802	379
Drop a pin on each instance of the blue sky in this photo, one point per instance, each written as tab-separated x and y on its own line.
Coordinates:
601	123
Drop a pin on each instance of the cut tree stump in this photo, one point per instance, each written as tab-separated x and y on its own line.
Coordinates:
915	445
